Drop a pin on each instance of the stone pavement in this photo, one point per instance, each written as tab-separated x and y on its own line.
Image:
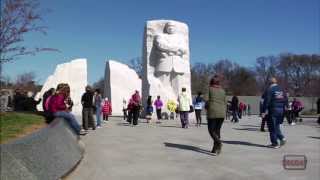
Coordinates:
165	151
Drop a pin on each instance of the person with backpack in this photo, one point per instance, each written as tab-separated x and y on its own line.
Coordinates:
275	103
87	109
184	108
198	104
106	109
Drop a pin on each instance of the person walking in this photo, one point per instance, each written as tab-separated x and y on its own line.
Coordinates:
216	112
184	108
149	109
87	109
158	104
235	109
275	103
97	105
198	104
106	109
136	107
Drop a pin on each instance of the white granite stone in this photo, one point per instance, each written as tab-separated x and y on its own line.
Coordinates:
75	74
166	60
120	83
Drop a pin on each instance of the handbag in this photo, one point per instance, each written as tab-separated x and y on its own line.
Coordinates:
191	109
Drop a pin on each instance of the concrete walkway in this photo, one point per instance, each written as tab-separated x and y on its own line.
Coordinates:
165	151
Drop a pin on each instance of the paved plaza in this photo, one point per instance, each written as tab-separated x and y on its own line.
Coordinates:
165	151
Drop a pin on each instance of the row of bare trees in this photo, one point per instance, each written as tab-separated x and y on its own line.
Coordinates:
297	74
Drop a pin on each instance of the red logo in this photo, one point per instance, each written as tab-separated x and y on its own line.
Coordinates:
294	162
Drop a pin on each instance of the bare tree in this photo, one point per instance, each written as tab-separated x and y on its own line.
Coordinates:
99	85
265	68
136	64
19	18
301	73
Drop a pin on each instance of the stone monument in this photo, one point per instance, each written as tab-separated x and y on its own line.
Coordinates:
120	83
75	74
166	62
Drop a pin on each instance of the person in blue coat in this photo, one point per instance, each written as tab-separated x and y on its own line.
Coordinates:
274	103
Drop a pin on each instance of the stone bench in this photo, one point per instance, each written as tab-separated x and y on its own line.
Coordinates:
49	154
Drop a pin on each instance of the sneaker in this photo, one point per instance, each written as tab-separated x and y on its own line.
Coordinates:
98	127
82	132
274	146
283	142
262	130
292	124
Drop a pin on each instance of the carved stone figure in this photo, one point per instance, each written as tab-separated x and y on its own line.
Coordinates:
166	59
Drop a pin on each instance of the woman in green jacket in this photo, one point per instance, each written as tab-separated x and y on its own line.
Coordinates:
216	112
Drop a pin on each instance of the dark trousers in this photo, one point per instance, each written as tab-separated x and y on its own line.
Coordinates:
234	116
105	116
130	115
184	117
198	116
263	122
214	126
289	116
274	128
87	118
135	116
158	114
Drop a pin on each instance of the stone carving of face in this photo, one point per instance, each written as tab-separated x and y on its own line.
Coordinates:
170	28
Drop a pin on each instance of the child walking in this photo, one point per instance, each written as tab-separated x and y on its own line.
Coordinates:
106	109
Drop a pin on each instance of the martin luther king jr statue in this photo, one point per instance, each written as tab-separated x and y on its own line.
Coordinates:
166	61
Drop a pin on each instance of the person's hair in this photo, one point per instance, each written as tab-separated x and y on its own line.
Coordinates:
184	89
88	88
98	91
64	89
158	97
199	93
273	80
215	80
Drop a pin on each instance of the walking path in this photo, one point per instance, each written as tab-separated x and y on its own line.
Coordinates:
165	151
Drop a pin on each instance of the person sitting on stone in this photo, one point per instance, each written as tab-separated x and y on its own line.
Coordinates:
59	108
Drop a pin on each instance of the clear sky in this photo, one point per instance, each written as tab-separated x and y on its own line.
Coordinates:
240	30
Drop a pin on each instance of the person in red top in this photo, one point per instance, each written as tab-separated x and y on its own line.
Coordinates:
106	109
60	107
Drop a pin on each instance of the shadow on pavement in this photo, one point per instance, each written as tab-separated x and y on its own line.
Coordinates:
244	143
314	137
187	147
247	129
170	126
249	125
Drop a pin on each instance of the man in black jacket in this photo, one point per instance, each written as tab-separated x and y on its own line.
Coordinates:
87	111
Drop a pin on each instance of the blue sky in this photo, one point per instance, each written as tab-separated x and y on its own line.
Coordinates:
240	30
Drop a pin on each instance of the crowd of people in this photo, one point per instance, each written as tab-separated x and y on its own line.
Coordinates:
274	107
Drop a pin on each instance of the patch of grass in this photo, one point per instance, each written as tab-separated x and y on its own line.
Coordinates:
14	125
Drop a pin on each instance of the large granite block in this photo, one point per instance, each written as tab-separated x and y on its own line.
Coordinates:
120	83
75	74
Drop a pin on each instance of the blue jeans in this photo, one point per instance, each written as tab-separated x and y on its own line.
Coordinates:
73	123
274	128
184	117
98	115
